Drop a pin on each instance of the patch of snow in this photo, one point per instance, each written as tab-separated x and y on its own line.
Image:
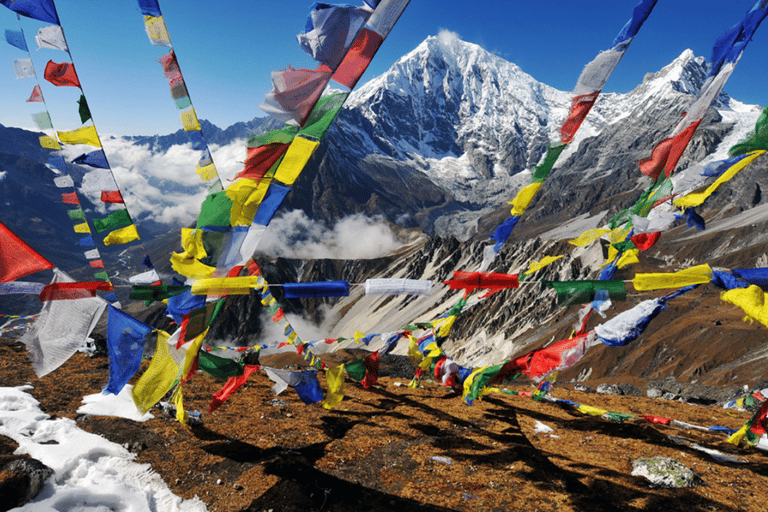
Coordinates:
541	428
107	404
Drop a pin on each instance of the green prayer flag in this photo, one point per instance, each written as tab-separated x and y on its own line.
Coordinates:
480	381
323	114
183	102
582	292
215	211
618	417
626	245
219	367
85	113
101	275
43	120
155	292
78	214
757	139
200	319
541	171
282	135
356	370
115	220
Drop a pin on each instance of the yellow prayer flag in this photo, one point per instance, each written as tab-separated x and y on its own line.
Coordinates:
470	380
191	354
358	336
588	237
241	285
334	378
49	142
82	228
192	243
189	121
445	326
737	436
413	349
591	411
207	173
159	377
628	258
246	196
533	266
295	159
695	275
190	267
122	235
752	300
178	400
695	199
524	197
85	135
157	31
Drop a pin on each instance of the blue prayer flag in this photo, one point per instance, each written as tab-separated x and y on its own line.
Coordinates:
95	159
125	344
639	15
694	220
42	10
269	205
183	304
87	241
308	388
16	38
319	289
58	163
729	46
149	8
503	231
197	140
756	276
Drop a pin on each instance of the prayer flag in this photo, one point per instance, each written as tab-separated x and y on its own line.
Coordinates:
37	94
752	300
58	163
246	196
308	387
148	277
261	159
524	198
82	109
170	65
17	259
666	153
78	214
159	378
694	275
155	292
115	220
322	115
85	135
82	228
755	140
16	38
61	74
397	286
19	287
215	211
318	289
61	329
534	266
125	344
358	58
43	120
189	120
695	199
225	285
70	198
197	321
471	281
386	15
645	241
97	263
232	385
42	10
87	241
583	292
334	379
97	181
49	142
111	196
157	31
295	92
23	68
74	290
626	327
284	135
64	181
295	160
122	236
269	205
330	32
149	8
219	367
371	370
51	37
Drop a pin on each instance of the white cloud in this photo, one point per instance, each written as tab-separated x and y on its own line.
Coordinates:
294	235
2	175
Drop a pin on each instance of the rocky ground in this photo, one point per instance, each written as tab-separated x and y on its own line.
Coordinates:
396	448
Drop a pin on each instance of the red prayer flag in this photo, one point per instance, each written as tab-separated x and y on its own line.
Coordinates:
580	107
62	291
471	281
656	419
111	196
70	198
97	263
170	65
259	160
371	370
645	241
759	425
232	385
61	74
17	259
278	316
667	152
37	94
358	57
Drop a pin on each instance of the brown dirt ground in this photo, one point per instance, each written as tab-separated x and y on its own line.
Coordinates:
374	451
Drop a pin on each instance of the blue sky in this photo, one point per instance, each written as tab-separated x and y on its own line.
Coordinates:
226	51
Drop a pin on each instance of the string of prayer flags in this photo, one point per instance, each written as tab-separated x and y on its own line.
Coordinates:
695	275
16	38
126	337
61	329
471	281
17	259
588	87
41	10
61	74
74	290
583	292
317	289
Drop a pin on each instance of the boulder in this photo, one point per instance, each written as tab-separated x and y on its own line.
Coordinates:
665	472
